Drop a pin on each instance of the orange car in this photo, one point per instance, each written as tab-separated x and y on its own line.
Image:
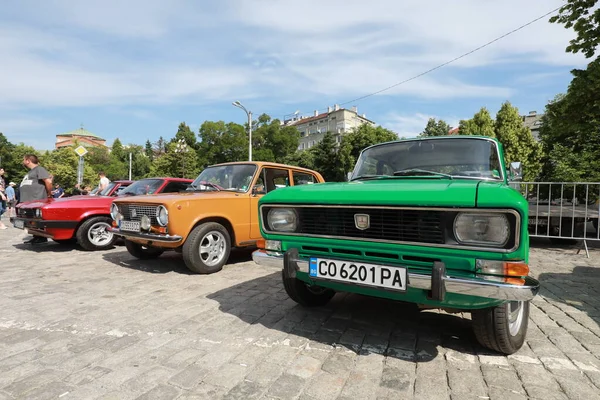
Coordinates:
220	211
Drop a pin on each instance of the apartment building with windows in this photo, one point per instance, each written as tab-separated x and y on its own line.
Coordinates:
534	122
336	120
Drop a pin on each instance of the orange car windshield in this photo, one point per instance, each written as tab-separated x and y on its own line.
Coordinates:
235	178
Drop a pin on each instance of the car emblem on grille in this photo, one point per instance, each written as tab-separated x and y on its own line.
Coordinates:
362	221
133	213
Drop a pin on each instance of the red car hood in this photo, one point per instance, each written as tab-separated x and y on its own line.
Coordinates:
95	200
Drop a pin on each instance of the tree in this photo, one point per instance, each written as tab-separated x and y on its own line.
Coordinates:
221	142
63	164
148	150
140	163
435	128
364	136
517	141
585	20
481	124
117	151
184	132
326	159
569	131
13	162
301	158
7	156
273	142
160	147
175	164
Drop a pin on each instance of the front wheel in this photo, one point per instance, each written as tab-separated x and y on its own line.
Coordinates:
207	248
305	295
93	234
142	252
502	328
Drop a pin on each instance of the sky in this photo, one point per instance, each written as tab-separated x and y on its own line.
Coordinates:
135	69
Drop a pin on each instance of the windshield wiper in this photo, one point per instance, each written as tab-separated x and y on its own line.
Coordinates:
366	177
204	183
417	171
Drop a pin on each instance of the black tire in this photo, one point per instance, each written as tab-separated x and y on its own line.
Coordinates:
214	236
307	296
90	235
142	252
493	330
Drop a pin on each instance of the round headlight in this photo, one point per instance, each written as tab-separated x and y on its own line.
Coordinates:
162	215
482	229
38	213
145	223
282	219
114	210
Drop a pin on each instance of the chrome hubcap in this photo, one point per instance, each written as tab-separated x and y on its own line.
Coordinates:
212	248
99	235
516	312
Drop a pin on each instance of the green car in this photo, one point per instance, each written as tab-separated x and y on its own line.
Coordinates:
429	221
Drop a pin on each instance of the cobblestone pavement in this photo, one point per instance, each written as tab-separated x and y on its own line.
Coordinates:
103	325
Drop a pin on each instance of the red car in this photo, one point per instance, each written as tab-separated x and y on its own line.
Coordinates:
85	218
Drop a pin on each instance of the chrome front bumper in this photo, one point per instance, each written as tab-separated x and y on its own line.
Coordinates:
153	237
464	286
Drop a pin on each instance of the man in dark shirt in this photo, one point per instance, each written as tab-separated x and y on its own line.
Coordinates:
36	185
58	192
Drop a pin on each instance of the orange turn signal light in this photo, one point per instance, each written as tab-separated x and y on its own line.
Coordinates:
516	268
261	243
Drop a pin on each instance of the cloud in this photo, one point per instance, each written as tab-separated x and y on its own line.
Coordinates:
151	53
28	129
410	125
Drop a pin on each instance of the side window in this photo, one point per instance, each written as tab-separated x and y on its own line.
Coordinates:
302	178
271	179
175	187
259	186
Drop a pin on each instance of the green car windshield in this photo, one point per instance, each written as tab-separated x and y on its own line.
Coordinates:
475	158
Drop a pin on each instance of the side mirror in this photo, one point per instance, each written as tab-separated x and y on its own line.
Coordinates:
516	173
258	189
348	176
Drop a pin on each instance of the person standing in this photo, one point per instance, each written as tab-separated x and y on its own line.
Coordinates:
36	185
3	198
58	192
11	201
104	181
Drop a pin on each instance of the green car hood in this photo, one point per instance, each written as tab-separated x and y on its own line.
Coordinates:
432	192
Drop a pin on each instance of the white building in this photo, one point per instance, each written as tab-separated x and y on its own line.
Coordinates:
336	120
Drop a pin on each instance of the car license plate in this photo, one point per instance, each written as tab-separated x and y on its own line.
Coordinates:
19	223
132	226
374	275
540	221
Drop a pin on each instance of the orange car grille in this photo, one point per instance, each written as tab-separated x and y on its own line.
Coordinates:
134	212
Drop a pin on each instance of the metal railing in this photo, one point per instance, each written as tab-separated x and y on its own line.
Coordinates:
562	210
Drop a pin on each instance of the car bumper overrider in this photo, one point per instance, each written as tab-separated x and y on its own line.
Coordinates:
438	283
151	237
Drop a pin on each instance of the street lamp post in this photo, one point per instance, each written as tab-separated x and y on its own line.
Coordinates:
182	148
249	114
